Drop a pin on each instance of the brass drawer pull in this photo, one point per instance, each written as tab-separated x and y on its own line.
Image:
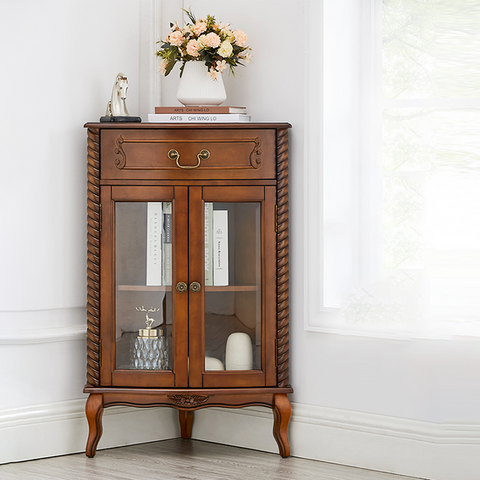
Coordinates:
181	287
202	155
195	287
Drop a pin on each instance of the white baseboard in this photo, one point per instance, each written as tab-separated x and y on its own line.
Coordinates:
61	428
375	442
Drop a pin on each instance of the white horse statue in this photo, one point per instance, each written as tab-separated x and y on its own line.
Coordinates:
116	107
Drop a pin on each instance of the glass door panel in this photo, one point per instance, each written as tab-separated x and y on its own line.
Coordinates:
143	285
233	286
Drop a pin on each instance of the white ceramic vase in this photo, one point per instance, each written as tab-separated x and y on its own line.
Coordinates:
196	87
239	354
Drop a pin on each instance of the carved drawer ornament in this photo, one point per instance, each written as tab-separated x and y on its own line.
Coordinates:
188	400
255	157
120	162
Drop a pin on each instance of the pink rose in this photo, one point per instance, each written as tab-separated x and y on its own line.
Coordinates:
193	46
212	40
175	38
200	27
162	67
240	38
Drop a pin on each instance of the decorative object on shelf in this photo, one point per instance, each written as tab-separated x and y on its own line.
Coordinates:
239	354
212	363
150	348
205	49
116	107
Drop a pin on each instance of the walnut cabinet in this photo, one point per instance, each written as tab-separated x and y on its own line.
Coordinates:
187	270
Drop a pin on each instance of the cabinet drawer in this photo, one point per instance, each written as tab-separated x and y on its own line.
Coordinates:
187	154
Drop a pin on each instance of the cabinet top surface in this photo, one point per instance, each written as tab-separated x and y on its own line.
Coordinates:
241	125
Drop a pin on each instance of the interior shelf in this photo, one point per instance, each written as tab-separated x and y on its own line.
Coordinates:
168	288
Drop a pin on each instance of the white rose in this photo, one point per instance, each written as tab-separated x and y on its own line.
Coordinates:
225	49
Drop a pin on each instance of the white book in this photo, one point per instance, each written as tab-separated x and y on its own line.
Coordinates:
220	247
198	118
208	244
167	243
154	243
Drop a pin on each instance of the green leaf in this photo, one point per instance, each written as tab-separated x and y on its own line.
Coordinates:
169	67
190	15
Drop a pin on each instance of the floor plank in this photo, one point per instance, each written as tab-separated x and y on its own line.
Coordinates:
184	460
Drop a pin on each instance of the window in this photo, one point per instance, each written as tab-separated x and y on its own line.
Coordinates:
399	210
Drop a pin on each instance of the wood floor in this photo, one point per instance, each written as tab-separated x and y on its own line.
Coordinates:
183	460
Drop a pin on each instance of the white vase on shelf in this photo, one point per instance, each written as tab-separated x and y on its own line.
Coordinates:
196	87
239	354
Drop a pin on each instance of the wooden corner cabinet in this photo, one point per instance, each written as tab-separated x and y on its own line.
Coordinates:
188	270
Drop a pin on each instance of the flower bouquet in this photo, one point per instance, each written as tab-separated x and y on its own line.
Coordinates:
204	40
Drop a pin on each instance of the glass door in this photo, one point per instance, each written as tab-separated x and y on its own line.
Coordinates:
232	317
143	280
143	333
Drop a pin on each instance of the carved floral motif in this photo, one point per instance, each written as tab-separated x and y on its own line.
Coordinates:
188	400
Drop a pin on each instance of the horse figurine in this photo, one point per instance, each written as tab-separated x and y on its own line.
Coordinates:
116	107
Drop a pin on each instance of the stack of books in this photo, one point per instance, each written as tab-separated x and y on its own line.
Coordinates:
199	114
159	245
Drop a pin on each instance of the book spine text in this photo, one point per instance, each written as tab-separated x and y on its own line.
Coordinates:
154	244
167	243
220	247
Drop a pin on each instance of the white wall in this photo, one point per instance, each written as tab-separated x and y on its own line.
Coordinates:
58	69
391	404
58	60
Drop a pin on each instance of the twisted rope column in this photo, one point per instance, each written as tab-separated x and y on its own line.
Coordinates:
93	258
282	259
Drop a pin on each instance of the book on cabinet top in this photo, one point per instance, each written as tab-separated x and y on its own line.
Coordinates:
198	118
197	109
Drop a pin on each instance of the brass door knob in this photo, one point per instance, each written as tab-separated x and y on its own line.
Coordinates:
181	287
195	287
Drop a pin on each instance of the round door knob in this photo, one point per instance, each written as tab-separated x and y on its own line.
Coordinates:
195	287
181	287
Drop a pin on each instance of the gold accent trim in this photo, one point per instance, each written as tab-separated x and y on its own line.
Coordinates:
195	287
202	155
181	287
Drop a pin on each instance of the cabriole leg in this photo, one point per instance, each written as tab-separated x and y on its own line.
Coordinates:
186	423
281	416
94	412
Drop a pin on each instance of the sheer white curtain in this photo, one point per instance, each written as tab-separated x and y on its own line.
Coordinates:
398	223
